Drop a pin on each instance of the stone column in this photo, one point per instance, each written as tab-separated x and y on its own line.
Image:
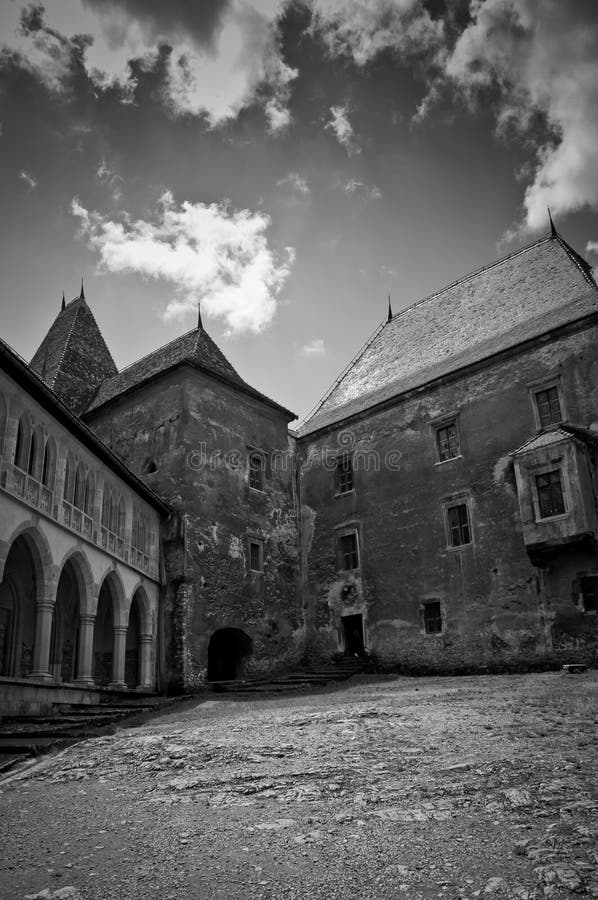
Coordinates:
118	657
85	655
43	632
146	680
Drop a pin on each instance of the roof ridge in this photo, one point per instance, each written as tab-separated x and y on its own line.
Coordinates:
152	352
464	278
577	259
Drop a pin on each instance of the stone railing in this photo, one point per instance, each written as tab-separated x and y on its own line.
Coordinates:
17	482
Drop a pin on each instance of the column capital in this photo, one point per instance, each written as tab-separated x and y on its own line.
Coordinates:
120	629
87	618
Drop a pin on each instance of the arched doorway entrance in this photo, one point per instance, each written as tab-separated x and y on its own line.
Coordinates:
18	591
132	646
227	654
65	626
103	635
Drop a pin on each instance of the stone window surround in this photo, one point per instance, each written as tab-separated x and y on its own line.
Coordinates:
343	530
462	498
443	421
257	541
543	468
256	452
543	384
427	601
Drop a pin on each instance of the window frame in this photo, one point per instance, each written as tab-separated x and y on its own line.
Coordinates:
548	469
254	453
338	474
593	610
538	387
440	617
345	532
259	543
457	501
439	423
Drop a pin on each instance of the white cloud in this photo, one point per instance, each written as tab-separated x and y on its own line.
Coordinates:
296	182
543	57
363	29
217	74
29	179
343	130
353	186
111	180
314	348
207	251
592	247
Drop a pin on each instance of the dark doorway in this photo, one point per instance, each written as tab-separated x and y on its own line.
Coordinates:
227	653
353	632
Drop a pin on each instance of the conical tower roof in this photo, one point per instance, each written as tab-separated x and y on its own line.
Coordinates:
73	358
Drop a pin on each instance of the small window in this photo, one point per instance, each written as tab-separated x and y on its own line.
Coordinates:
551	501
256	556
344	474
432	617
548	404
256	472
589	593
447	442
348	553
458	523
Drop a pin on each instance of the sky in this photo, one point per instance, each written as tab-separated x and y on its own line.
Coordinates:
287	164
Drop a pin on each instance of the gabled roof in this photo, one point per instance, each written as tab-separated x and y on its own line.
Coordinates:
528	293
556	435
195	348
73	358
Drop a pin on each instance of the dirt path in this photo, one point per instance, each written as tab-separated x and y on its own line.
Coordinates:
448	787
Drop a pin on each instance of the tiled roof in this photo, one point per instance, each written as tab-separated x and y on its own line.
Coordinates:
555	435
528	293
73	358
195	347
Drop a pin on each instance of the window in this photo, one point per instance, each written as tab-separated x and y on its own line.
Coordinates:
256	556
589	593
432	617
551	501
458	525
256	472
344	474
548	405
347	551
447	441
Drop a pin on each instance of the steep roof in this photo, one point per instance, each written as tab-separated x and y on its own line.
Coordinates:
73	358
554	435
195	348
540	287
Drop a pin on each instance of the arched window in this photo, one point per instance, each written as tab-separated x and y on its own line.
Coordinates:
121	518
35	453
23	444
90	489
49	464
3	417
69	479
113	525
106	507
79	487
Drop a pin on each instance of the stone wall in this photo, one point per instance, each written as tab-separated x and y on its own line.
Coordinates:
497	608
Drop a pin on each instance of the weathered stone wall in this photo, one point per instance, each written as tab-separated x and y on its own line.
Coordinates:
198	431
497	608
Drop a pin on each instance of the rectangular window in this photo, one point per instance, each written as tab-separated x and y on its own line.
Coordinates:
344	474
348	554
256	472
447	440
458	523
256	556
551	501
589	593
548	405
432	617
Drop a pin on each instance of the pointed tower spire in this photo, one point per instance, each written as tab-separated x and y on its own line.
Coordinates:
63	302
389	317
82	294
553	232
199	322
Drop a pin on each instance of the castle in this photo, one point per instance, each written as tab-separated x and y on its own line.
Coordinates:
162	526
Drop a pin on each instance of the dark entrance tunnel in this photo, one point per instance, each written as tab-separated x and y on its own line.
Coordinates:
227	652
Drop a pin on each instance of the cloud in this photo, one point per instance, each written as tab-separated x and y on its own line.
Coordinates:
542	59
314	348
592	247
207	251
363	30
215	57
113	181
296	182
29	179
353	186
343	130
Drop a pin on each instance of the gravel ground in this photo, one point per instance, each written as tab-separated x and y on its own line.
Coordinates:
382	788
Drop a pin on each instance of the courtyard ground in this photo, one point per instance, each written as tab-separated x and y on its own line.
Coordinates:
382	788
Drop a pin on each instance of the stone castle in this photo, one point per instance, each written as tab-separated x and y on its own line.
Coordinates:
162	526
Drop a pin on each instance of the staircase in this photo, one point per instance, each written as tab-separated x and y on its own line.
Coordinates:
315	675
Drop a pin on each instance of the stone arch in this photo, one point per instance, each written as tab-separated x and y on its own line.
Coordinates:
23	442
25	589
36	453
69	478
90	490
228	651
79	486
48	476
64	640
